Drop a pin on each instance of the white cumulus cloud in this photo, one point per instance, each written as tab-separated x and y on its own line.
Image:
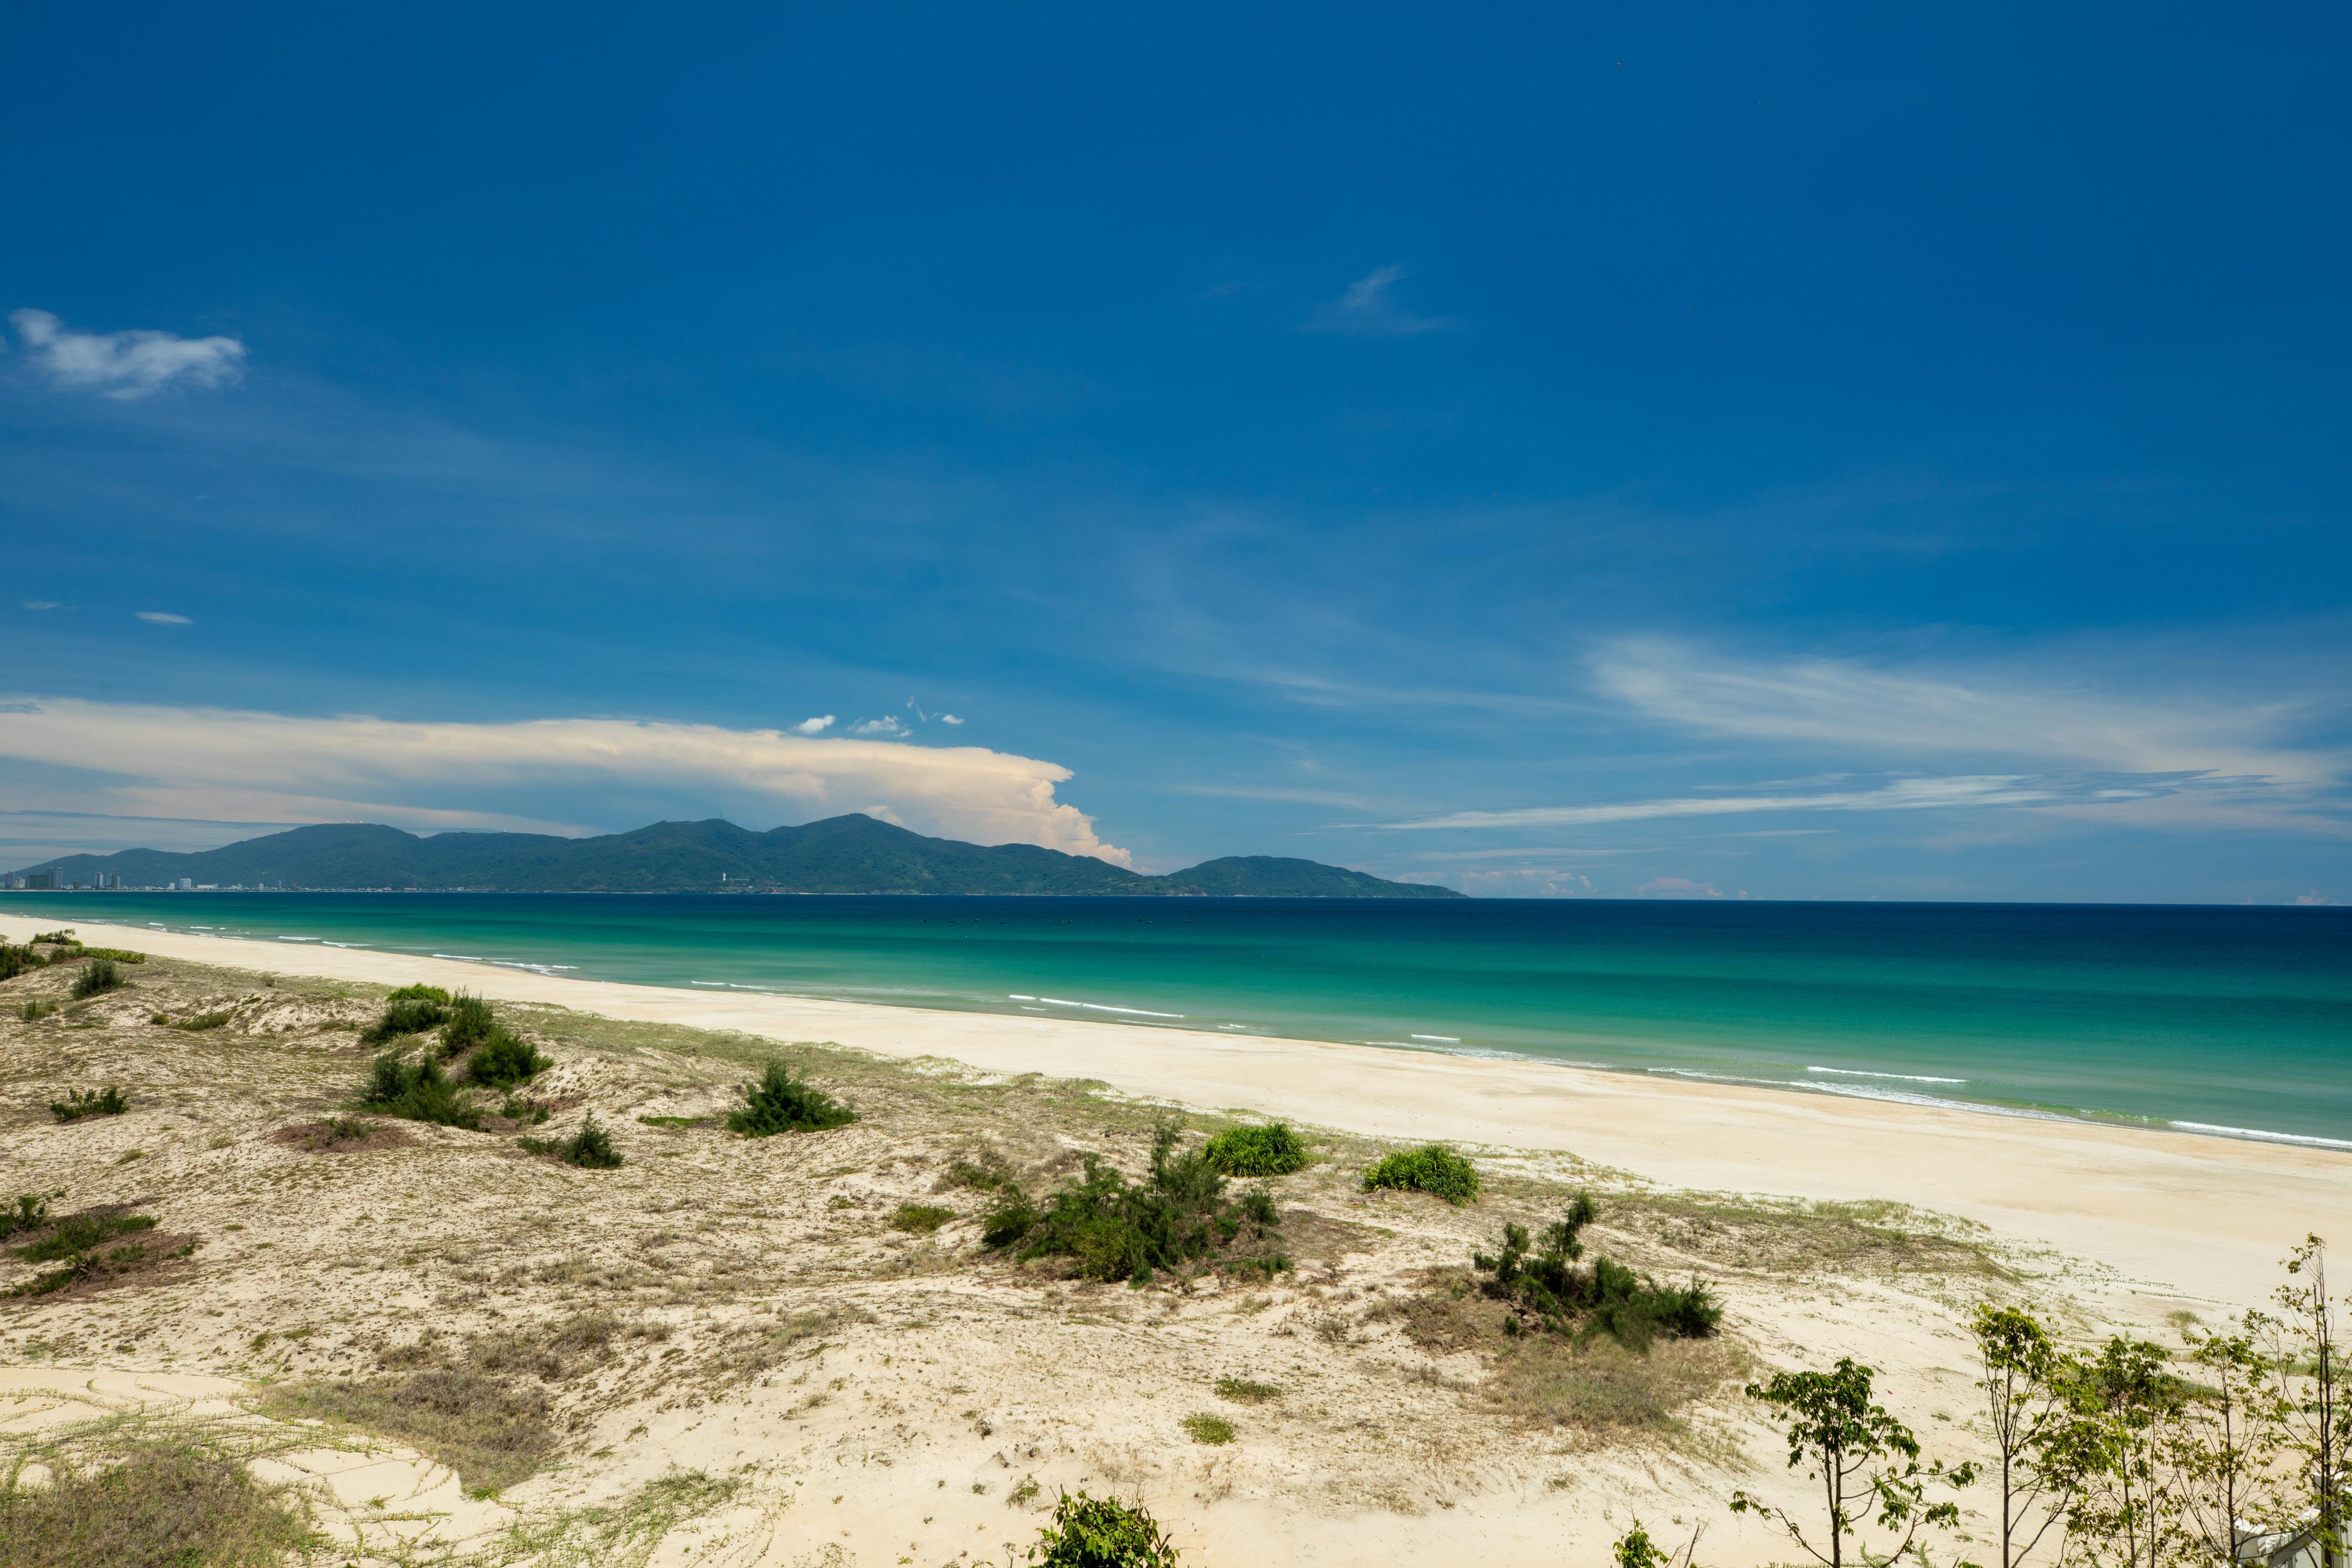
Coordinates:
125	364
242	765
816	725
887	726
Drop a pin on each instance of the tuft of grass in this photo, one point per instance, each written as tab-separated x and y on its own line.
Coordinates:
1244	1391
921	1219
155	1503
78	1103
78	1233
197	1024
1178	1218
674	1124
1209	1428
1271	1151
1435	1169
31	1213
493	1432
98	976
780	1102
34	1012
416	1091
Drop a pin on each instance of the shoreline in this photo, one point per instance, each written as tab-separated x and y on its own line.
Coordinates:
2203	1215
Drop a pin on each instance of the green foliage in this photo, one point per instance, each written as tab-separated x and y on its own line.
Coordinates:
78	1233
34	1012
1244	1391
1435	1169
589	1148
1864	1460
467	1022
155	1503
78	1103
781	1103
64	938
921	1219
120	955
1273	1150
1177	1217
419	994
31	1213
98	976
504	1061
529	1112
196	1024
15	960
1634	1549
1211	1429
1544	1288
406	1016
417	1092
1101	1533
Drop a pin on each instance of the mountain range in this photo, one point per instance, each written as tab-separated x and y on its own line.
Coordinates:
853	853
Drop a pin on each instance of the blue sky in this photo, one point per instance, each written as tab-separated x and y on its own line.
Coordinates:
1820	452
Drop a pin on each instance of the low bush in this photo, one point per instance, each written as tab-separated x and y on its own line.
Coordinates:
1177	1218
1101	1533
15	960
589	1148
467	1022
921	1219
419	994
31	1213
120	955
80	1102
64	938
1271	1151
1209	1428
157	1503
1244	1391
417	1092
504	1061
98	976
781	1103
1545	1289
405	1016
1435	1169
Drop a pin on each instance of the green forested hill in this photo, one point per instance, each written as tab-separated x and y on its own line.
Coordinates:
840	855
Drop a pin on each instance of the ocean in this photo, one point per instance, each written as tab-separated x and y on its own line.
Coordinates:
2231	1021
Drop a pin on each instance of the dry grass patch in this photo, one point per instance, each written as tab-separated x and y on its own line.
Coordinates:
343	1135
495	1433
153	1503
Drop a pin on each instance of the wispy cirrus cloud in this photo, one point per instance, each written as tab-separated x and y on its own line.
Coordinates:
230	765
1947	794
1370	308
125	365
162	618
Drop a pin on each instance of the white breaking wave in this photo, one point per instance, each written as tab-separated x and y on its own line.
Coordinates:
1447	1038
2259	1135
1106	1008
1904	1077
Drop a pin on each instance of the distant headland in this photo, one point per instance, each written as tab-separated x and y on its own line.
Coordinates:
853	853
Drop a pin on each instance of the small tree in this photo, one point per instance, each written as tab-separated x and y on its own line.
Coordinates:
2111	1455
2317	1419
1634	1549
781	1103
2223	1447
1867	1462
2026	1378
1101	1533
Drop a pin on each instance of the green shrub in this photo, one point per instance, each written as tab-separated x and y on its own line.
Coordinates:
1101	1533
1436	1170
1112	1229
781	1103
1209	1428
1273	1150
1545	1289
529	1112
197	1024
64	938
468	1022
15	960
506	1060
417	1092
405	1016
419	994
78	1103
589	1148
1245	1391
98	976
31	1213
922	1218
120	955
78	1233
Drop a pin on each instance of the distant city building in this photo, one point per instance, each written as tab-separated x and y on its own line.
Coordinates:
41	881
185	883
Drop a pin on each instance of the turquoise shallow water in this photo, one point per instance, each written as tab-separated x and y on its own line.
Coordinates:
2226	1020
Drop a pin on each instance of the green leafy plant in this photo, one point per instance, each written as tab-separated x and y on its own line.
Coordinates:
419	994
1435	1169
416	1091
1544	1288
1101	1533
120	955
98	976
1634	1549
504	1060
80	1102
1864	1460
1211	1429
922	1218
63	938
780	1102
1177	1217
1269	1151
1244	1391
